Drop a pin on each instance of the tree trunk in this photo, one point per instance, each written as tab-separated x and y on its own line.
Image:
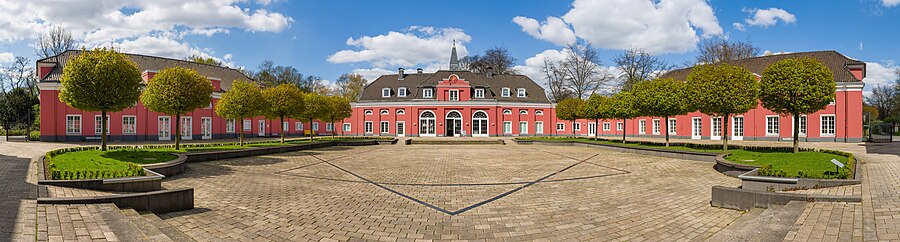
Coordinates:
282	130
311	131
667	129
596	128
332	128
177	131
797	133
241	131
624	129
724	132
103	132
573	129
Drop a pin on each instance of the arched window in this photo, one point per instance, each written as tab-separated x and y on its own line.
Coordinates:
384	112
479	114
523	112
368	112
427	124
427	114
400	111
538	112
507	111
454	114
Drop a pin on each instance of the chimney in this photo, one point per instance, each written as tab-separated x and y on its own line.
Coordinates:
490	72
419	70
400	71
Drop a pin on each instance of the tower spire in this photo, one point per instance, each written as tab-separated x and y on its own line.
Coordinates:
454	61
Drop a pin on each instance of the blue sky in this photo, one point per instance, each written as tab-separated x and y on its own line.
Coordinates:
315	36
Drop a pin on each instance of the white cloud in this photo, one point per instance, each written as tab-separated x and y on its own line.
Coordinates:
890	3
554	29
664	26
372	74
165	47
6	57
860	45
879	74
739	27
415	46
768	17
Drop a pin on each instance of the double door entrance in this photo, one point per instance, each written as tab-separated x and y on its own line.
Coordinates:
454	124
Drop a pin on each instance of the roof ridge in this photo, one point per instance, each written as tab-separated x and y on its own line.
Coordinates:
156	57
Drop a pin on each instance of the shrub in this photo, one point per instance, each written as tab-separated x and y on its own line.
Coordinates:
34	136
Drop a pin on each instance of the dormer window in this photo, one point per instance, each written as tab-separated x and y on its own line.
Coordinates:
401	92
385	92
520	92
454	95
479	93
427	93
504	92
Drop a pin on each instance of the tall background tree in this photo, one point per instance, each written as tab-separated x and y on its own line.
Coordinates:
284	100
570	109
620	106
721	90
497	58
556	81
795	87
580	73
638	65
664	97
350	86
717	50
176	91
337	109
15	111
244	100
270	75
54	42
204	60
102	81
19	74
884	99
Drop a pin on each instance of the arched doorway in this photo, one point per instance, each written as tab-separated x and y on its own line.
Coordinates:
426	124
453	124
480	124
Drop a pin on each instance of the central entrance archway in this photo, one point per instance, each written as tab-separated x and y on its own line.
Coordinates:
454	124
480	124
426	124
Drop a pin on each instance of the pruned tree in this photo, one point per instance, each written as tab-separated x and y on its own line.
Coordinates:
350	86
593	109
338	108
204	60
176	91
664	97
570	109
620	106
497	58
315	107
797	86
100	80
717	50
56	41
556	81
638	65
722	90
243	100
284	100
885	99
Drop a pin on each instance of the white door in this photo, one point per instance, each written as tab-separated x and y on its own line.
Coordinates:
715	132
206	128
696	125
592	129
737	128
401	130
186	128
262	128
165	128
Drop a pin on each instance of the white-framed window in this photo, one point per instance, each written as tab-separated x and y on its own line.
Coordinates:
73	124
347	127
656	126
479	93
539	127
427	93
298	126
538	112
385	127
401	92
368	112
576	126
129	124
285	127
400	112
772	125
828	125
368	127
715	127
696	128
523	112
507	112
504	92
507	127
620	126
247	124
523	127
520	92
560	127
642	126
801	131
454	95
385	92
606	126
329	126
672	125
315	126
98	126
229	126
384	112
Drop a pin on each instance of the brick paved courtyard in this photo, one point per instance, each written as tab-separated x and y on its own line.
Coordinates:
437	192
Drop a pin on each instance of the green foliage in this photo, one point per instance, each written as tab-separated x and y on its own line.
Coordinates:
243	100
337	108
594	107
100	80
797	86
662	97
204	60
620	106
16	109
569	109
34	135
283	100
718	90
316	107
176	91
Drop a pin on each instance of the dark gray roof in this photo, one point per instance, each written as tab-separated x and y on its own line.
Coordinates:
835	61
144	62
416	82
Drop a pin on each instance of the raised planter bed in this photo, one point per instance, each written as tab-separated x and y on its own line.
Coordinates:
678	154
455	142
743	199
150	182
163	201
752	181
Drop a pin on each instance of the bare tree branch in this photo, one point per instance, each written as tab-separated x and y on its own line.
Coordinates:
638	65
720	50
54	42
